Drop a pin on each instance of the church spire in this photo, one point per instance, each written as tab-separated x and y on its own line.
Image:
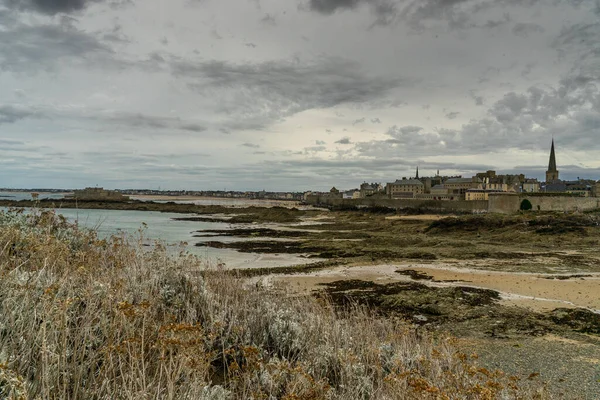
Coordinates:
552	163
552	173
417	176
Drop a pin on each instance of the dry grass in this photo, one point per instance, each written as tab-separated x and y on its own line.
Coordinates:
109	319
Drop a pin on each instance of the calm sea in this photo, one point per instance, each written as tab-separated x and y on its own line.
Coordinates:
163	227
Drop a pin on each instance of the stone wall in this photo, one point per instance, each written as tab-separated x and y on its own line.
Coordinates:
428	205
506	204
497	203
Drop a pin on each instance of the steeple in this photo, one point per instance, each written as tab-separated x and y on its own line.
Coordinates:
552	163
417	176
552	173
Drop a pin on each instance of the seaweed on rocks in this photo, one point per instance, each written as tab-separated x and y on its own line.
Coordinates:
579	319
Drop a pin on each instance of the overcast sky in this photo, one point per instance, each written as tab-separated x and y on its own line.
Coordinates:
294	94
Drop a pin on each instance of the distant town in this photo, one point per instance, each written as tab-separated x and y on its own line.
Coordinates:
477	187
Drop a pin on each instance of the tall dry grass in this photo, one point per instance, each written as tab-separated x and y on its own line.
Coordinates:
85	318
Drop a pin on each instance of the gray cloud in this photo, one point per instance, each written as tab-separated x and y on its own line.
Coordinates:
452	114
478	99
193	127
259	94
418	14
319	142
314	149
268	19
25	48
358	121
344	140
375	120
10	114
251	145
524	29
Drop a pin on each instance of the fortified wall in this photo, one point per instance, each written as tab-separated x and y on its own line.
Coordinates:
510	203
480	206
498	203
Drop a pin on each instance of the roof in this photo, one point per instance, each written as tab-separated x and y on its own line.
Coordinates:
462	180
408	182
438	187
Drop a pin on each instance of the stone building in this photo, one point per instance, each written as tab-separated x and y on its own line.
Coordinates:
369	189
461	185
98	194
404	188
531	186
438	190
480	194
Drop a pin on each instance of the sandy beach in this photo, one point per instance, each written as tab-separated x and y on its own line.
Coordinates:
534	291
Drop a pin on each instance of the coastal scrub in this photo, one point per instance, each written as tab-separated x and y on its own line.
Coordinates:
83	317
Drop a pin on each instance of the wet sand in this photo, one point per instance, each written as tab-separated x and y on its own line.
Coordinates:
423	217
530	290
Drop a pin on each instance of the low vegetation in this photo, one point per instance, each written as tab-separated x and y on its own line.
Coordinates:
86	318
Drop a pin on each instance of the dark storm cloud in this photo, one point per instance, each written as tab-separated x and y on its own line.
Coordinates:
330	6
56	6
47	6
260	94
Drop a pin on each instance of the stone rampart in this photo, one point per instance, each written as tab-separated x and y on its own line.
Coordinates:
503	203
510	203
427	205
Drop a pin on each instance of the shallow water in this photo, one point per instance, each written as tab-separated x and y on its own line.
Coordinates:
153	226
18	196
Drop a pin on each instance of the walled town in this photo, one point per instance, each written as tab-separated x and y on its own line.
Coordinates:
492	192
